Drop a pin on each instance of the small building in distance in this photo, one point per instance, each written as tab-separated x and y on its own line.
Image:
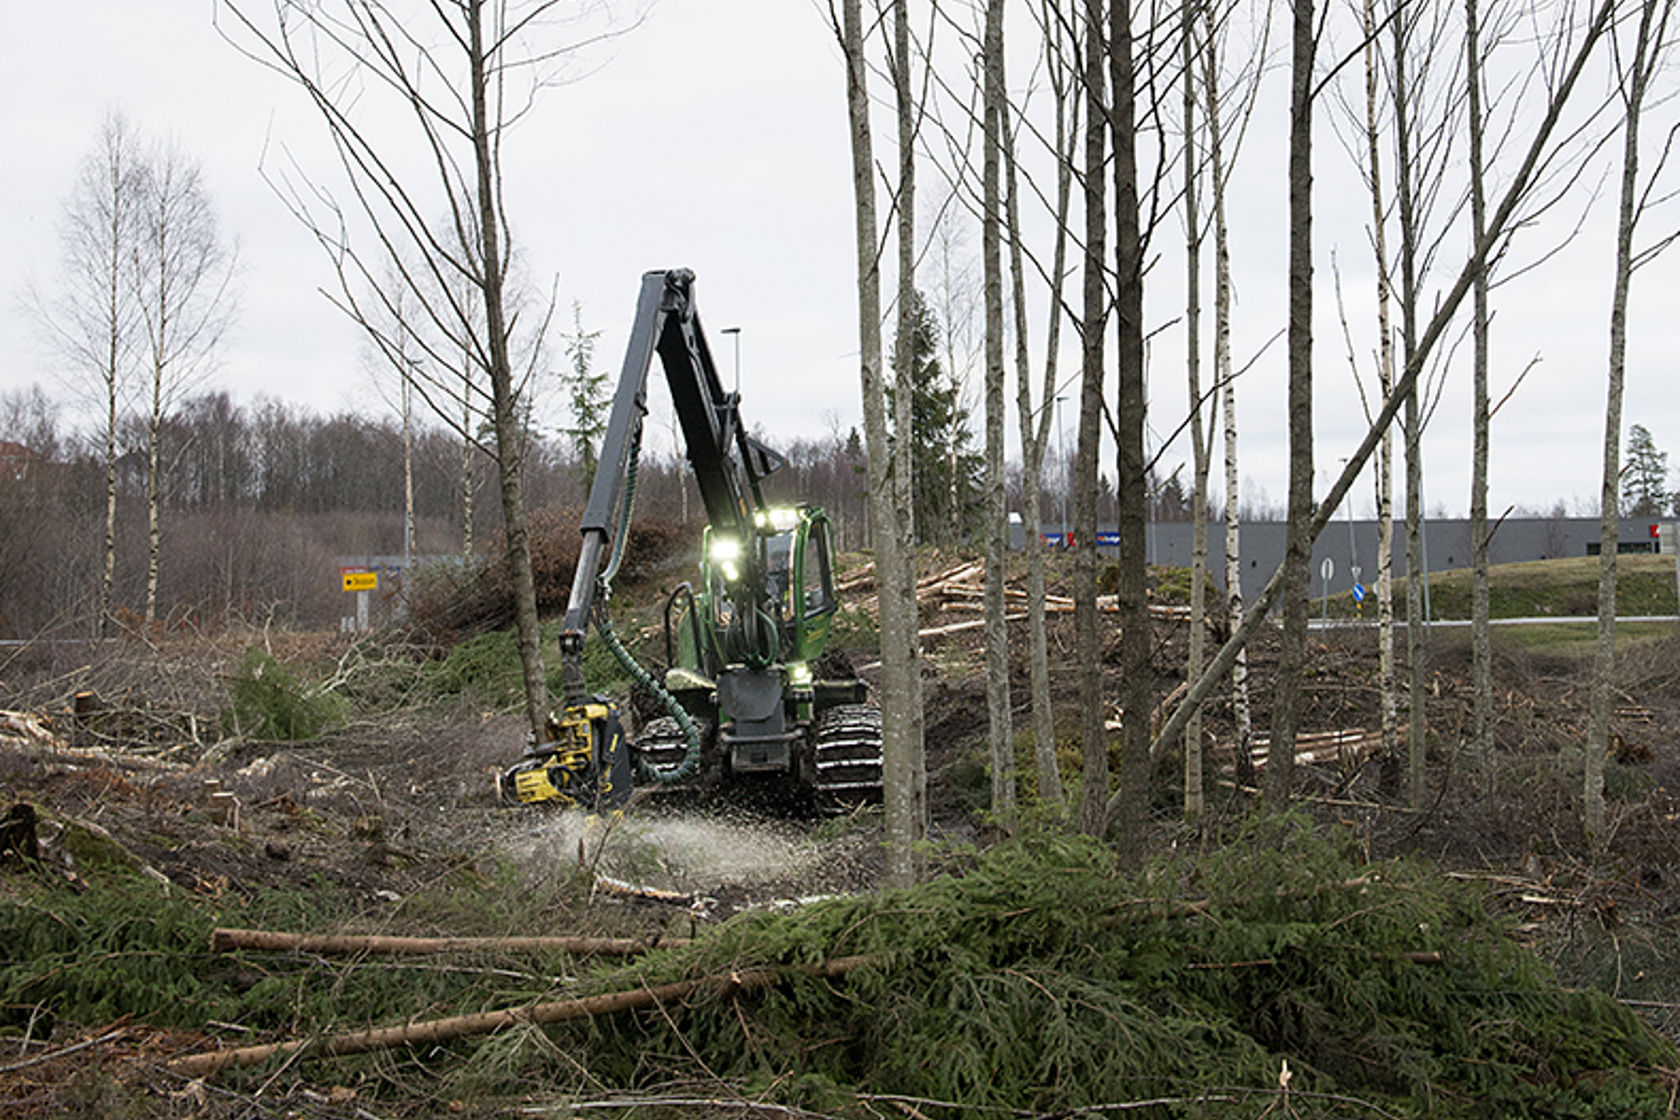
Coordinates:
1351	546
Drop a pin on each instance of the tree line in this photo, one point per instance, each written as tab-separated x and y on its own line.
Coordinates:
233	480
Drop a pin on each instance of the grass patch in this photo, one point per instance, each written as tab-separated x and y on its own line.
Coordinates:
1577	638
1561	588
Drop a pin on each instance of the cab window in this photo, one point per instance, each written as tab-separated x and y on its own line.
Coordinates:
818	589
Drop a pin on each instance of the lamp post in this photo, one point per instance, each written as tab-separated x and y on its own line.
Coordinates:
1353	551
736	331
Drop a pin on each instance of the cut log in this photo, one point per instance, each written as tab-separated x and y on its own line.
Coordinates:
487	1022
970	624
225	940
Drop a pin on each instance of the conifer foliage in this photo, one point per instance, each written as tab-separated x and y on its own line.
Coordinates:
1044	979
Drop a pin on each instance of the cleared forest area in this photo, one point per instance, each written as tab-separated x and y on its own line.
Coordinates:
1356	958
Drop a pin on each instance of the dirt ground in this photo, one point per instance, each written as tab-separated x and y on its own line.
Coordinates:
383	810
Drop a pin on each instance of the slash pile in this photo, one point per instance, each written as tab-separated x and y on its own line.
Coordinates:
1042	978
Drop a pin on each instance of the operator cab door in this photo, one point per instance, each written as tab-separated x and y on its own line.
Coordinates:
780	551
814	573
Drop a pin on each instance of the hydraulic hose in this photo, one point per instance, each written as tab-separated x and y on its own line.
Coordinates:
603	625
685	722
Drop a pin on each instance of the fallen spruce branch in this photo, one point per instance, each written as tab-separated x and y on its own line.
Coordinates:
226	940
1419	956
912	1104
488	1022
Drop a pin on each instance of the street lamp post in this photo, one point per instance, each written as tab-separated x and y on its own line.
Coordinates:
736	331
1353	549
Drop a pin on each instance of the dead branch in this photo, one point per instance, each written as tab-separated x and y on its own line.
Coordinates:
488	1022
227	940
50	1055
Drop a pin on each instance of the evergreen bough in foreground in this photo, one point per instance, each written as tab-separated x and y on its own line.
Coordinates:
1042	978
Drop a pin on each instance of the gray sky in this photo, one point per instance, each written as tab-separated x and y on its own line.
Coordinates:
714	137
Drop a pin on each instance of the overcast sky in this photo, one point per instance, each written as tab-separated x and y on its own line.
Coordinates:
713	136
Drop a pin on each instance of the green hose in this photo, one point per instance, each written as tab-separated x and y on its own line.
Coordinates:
603	625
685	722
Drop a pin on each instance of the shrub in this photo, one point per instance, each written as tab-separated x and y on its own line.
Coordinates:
450	606
271	702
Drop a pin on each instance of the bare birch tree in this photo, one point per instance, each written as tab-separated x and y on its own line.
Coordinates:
1389	766
459	74
1219	171
182	274
1425	119
913	764
1201	449
1000	729
1481	652
1093	809
1298	539
1130	822
1650	47
90	319
1368	155
905	799
1577	43
1034	420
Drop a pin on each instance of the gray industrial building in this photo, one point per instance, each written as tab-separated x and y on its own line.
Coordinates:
1351	546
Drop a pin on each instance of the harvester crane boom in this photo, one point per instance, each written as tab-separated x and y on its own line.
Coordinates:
728	464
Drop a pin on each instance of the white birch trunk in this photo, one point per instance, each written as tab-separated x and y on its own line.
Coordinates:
905	805
1199	440
1240	710
1389	770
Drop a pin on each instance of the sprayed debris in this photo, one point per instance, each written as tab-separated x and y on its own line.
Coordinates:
713	863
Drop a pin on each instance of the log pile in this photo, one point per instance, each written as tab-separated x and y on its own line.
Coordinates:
33	734
1347	747
959	589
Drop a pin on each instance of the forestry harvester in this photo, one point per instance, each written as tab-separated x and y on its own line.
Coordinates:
742	699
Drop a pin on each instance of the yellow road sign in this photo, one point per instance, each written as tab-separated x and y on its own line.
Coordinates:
361	581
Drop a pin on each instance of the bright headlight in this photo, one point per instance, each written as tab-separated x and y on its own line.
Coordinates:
725	550
799	674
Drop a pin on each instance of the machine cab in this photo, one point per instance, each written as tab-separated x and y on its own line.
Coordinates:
721	624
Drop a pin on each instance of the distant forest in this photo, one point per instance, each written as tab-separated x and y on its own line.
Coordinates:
260	503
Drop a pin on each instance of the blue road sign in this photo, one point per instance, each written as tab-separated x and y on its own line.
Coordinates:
1359	592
